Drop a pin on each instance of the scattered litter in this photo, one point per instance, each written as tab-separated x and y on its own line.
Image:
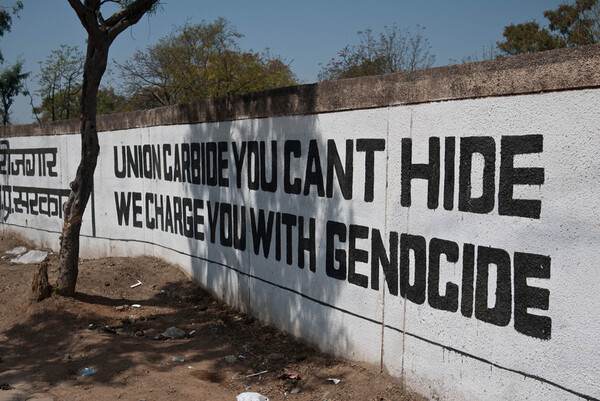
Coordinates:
190	367
136	284
335	381
257	374
6	386
191	333
16	251
241	357
86	372
173	332
106	329
101	329
290	375
295	390
31	257
178	359
230	359
136	306
251	397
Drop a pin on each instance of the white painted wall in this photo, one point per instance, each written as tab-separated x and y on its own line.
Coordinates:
441	354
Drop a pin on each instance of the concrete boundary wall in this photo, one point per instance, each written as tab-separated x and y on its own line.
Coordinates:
441	223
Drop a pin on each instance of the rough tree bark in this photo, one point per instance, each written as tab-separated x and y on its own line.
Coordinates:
101	33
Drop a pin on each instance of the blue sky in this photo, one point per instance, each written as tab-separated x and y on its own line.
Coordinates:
304	33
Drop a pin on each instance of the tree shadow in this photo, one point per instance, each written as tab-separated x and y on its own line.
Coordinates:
56	340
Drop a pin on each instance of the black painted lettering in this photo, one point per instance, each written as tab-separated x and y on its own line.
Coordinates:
223	164
291	148
429	172
357	255
289	220
253	166
133	162
177	165
468	277
239	227
334	164
119	173
196	166
168	215
335	229
265	185
449	301
213	215
186	163
485	146
226	224
314	173
449	172
511	176
211	165
150	221
537	266
370	146
188	217
262	231
416	244
379	257
307	243
122	205
177	215
238	159
501	312
168	169
198	219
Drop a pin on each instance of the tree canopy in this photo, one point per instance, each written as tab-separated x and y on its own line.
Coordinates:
393	50
198	61
12	78
569	25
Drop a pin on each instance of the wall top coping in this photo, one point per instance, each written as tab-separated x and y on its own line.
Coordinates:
557	70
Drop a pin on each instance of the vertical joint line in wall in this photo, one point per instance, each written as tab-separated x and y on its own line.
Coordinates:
385	230
249	289
93	209
404	312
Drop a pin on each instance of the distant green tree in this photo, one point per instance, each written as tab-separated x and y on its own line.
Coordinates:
570	25
60	84
11	85
198	61
6	14
12	79
393	50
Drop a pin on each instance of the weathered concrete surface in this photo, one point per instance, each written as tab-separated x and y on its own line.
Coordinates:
563	69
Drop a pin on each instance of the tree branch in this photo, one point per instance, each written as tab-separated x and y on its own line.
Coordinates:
87	16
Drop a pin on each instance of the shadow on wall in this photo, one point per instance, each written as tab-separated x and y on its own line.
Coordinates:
265	212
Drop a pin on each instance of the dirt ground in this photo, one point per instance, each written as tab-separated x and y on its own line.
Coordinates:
44	345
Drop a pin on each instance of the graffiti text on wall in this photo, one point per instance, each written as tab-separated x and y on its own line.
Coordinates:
309	169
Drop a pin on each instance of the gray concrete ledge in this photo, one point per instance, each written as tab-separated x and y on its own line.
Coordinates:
557	70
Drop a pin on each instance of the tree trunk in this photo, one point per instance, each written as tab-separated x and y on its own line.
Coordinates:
40	288
81	186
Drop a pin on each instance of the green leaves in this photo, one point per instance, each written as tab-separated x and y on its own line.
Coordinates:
570	25
199	61
11	84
